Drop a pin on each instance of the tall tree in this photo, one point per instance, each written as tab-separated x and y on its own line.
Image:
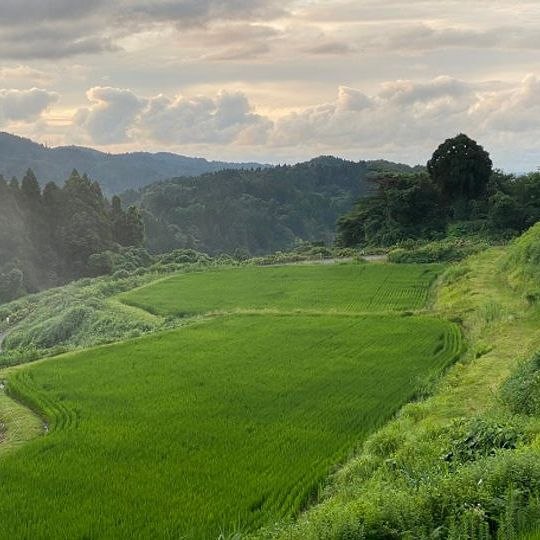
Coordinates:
461	168
30	187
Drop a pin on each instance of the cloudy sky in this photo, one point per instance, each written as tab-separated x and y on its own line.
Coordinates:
274	80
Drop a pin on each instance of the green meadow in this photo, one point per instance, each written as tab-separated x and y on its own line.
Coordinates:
232	422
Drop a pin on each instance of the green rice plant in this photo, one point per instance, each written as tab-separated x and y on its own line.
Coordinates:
214	429
341	288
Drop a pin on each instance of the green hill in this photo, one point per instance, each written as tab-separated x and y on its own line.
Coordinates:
256	211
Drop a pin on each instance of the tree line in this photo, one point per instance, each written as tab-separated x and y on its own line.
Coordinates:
459	193
49	236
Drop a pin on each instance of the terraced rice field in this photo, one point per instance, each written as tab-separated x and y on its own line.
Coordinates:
344	287
228	424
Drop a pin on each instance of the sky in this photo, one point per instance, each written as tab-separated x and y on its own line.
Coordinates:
274	81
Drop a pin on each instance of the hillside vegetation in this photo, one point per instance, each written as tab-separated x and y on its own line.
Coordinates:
257	211
465	463
458	206
52	235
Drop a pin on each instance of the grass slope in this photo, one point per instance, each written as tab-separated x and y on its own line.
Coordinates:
224	425
344	287
399	485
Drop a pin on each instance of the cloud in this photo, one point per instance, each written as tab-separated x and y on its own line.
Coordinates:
244	52
24	105
331	48
53	46
118	115
189	12
401	114
24	12
23	75
41	29
110	116
224	119
511	111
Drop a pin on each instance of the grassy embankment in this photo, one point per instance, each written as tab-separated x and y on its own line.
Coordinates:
228	424
465	463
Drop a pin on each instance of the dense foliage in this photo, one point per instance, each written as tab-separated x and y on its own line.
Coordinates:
53	235
522	389
461	169
461	196
258	211
449	249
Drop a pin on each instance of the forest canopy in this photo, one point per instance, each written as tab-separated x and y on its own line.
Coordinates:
258	211
48	236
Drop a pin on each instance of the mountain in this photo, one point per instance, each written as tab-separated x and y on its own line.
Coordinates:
114	172
258	211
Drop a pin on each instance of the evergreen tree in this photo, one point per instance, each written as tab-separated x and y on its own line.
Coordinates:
30	187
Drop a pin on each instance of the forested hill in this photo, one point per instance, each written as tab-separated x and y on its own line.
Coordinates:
257	211
115	172
52	235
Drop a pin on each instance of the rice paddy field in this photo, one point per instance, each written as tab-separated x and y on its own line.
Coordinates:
230	423
343	287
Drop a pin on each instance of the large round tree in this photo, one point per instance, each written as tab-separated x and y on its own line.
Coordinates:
461	168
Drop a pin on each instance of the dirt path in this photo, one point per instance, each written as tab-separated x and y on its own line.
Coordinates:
368	258
375	258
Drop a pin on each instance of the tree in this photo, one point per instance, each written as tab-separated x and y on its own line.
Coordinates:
11	283
404	206
100	264
30	187
118	221
134	227
461	168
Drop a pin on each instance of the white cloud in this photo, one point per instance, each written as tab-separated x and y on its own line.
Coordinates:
118	115
24	105
224	119
403	119
110	116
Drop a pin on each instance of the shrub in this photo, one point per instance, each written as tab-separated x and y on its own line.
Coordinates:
521	391
482	437
523	262
448	250
100	264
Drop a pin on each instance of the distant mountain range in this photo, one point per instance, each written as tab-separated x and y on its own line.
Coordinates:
115	172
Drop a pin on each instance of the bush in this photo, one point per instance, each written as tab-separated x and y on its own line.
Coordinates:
184	256
523	262
448	250
121	274
521	391
100	264
482	437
